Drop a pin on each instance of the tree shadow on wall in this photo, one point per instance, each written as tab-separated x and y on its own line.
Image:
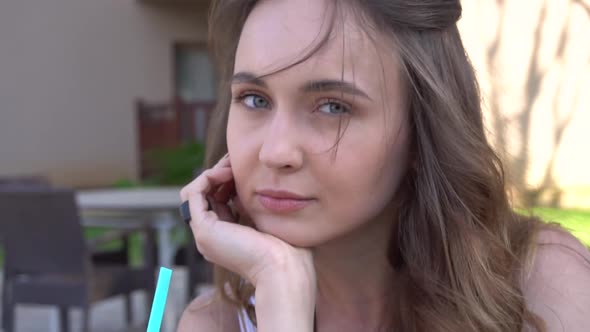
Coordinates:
547	192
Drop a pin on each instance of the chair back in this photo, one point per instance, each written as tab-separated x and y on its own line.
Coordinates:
42	232
24	181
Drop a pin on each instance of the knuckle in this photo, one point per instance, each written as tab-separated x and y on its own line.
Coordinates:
183	193
203	235
206	173
201	242
201	248
197	185
200	238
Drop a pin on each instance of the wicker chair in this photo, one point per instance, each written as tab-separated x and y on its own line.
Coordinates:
48	261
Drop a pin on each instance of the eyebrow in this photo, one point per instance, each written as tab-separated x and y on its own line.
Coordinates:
245	77
312	86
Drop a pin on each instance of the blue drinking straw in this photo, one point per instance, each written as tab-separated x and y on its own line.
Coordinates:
159	303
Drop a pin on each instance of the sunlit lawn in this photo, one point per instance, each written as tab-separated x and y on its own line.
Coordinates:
577	221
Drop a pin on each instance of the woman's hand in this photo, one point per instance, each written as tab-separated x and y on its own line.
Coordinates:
283	275
253	255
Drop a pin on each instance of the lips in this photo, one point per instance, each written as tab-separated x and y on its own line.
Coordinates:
280	201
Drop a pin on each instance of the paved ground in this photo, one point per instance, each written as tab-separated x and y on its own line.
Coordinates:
106	316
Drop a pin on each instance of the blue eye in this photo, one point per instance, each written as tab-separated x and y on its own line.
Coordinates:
254	101
334	108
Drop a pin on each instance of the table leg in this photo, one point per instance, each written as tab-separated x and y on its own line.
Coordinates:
54	320
164	225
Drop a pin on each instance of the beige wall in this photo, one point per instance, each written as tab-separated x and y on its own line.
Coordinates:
69	73
551	46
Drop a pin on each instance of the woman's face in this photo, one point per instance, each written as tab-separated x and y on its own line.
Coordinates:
318	149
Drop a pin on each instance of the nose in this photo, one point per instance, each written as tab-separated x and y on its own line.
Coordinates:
281	148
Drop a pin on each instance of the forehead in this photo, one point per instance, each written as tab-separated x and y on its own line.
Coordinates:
279	33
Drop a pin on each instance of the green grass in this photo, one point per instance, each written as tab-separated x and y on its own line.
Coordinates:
576	221
134	254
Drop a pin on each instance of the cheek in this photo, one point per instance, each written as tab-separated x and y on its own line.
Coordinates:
234	131
244	132
243	144
366	185
239	149
362	194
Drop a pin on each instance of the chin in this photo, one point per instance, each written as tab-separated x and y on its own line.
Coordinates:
297	233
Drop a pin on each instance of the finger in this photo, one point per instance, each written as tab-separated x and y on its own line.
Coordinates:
221	201
195	193
198	207
223	211
223	161
206	181
235	247
225	192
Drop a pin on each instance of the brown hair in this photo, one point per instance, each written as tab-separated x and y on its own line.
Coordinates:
459	248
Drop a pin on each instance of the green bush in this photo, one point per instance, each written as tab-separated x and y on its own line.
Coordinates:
175	166
170	166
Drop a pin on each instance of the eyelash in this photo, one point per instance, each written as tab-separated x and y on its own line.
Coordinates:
240	97
323	102
345	106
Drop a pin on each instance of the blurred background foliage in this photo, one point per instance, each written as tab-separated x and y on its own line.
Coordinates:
170	166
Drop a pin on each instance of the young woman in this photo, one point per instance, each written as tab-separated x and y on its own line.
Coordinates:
355	189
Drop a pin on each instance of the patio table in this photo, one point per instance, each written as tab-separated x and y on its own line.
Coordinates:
132	208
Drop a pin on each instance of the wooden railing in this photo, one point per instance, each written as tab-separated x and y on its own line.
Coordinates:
168	125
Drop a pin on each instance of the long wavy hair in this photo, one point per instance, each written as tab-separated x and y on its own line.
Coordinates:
461	251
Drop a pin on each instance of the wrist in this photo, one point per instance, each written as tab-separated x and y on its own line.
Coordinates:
286	297
289	282
285	266
285	303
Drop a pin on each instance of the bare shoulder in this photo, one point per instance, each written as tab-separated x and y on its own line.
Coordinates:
208	312
556	288
558	247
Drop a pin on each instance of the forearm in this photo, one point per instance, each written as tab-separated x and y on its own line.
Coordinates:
286	301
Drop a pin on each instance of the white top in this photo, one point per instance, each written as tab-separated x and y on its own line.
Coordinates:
246	324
